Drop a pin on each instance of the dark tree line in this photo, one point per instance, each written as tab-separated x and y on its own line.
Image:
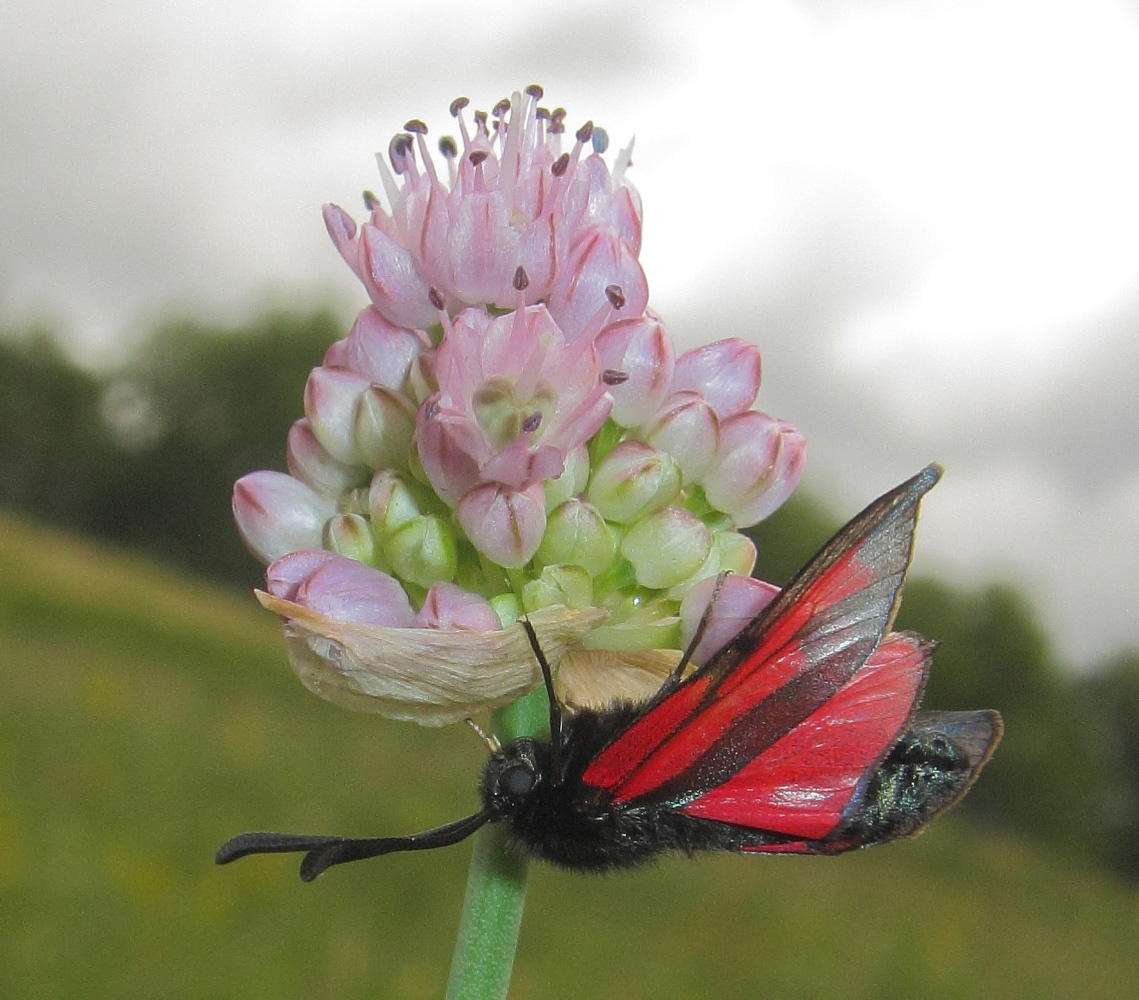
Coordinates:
146	456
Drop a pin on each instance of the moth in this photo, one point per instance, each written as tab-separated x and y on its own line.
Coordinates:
800	736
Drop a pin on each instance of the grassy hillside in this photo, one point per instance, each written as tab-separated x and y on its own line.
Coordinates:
145	719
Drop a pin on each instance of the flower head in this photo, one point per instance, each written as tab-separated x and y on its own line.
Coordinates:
509	197
507	429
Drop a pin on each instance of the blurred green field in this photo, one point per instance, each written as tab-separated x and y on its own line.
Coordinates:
144	719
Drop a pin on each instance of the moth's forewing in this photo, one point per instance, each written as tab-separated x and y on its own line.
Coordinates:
784	666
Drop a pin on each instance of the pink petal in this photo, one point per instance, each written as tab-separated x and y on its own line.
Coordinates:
726	373
757	467
392	282
448	443
688	430
277	514
377	350
505	525
741	598
641	349
348	591
598	259
331	395
309	461
286	574
448	606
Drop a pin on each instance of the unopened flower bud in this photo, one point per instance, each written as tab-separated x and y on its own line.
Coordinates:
577	533
633	480
385	422
376	349
688	430
348	591
310	462
559	584
725	373
331	395
756	468
666	547
450	607
504	524
350	535
391	504
277	514
422	551
736	551
636	624
571	482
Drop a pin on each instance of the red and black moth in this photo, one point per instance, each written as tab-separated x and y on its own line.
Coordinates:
799	736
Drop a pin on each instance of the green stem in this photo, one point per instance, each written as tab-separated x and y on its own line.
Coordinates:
496	885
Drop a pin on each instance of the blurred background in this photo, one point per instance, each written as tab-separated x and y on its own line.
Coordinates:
924	214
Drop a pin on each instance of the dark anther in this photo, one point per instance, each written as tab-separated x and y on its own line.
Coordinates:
480	118
398	149
558	114
542	114
447	147
535	91
556	127
477	156
416	126
521	279
435	297
616	296
583	133
501	108
532	422
600	140
371	202
611	376
457	105
561	164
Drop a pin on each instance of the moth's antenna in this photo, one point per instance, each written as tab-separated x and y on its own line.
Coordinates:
701	627
555	705
489	739
323	852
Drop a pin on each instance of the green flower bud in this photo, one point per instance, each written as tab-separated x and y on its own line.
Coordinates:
507	607
561	584
571	482
636	624
391	503
423	551
737	552
633	480
385	422
350	535
666	547
576	533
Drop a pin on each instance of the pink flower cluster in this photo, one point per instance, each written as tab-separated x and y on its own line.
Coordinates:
508	427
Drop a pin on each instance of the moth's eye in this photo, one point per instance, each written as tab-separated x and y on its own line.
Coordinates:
517	780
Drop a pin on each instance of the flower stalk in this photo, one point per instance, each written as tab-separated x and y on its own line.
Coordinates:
496	885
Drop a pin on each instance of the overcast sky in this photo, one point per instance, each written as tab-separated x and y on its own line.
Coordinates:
925	214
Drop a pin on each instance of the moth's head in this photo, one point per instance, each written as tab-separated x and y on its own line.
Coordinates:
512	774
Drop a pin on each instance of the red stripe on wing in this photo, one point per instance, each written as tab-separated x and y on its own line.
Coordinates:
802	785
